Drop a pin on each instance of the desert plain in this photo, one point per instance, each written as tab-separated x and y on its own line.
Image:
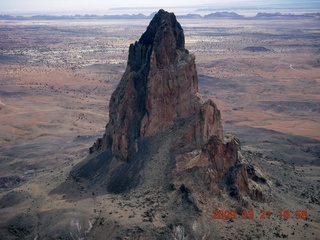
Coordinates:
56	78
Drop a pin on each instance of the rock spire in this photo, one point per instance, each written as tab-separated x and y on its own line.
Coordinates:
159	91
160	85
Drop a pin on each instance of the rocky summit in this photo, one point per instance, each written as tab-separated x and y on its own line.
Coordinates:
163	138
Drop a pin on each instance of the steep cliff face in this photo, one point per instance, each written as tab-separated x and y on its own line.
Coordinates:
158	86
159	89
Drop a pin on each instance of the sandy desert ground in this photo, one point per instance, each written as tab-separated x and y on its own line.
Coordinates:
56	78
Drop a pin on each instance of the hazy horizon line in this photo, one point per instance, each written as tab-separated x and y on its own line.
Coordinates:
307	7
202	12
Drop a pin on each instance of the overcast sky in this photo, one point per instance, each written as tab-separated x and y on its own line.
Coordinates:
99	6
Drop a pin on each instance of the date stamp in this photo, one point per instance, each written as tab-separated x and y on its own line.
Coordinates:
250	214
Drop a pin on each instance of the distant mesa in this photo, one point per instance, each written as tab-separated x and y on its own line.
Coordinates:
190	16
279	15
223	15
271	15
256	49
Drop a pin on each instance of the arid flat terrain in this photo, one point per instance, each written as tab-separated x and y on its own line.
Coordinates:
56	78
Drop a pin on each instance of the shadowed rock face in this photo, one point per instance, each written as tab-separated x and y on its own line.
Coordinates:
160	88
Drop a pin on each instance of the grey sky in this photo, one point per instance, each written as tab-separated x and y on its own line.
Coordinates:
99	6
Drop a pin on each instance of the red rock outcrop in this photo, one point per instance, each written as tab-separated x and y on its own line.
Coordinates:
159	87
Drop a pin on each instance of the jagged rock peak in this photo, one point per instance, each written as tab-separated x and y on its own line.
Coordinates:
156	101
163	23
164	37
158	87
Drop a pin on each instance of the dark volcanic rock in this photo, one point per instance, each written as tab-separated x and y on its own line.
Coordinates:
156	108
13	198
10	181
158	86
